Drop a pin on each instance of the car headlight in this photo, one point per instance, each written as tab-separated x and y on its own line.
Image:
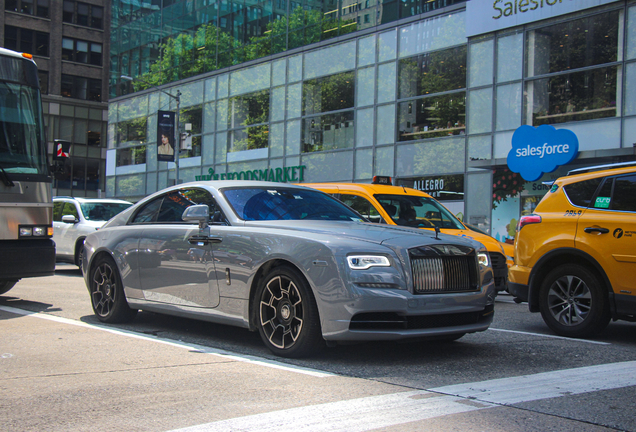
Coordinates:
362	262
483	258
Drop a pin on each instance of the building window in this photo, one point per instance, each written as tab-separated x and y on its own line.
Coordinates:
83	14
575	78
32	7
131	156
43	77
435	85
248	117
328	112
81	88
82	51
25	40
132	131
193	117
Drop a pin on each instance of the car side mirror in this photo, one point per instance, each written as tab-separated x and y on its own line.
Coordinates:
197	213
69	219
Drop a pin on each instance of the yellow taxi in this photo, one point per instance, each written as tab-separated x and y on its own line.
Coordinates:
575	256
381	202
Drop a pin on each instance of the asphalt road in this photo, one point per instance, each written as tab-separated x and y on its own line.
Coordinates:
63	370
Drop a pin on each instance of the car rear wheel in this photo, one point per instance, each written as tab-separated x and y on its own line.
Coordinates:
6	285
287	315
107	293
573	302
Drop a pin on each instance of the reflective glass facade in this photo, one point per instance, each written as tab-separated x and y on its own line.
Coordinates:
161	41
416	100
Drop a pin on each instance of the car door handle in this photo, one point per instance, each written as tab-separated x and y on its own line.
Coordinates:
599	230
195	240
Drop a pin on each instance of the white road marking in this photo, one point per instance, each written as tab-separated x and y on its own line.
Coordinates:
192	347
551	336
354	415
375	412
546	385
363	414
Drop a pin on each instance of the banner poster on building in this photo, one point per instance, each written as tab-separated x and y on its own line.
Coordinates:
165	136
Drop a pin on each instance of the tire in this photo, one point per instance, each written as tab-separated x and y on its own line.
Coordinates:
286	314
6	285
79	254
573	302
107	293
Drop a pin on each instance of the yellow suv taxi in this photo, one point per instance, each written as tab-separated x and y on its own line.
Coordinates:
575	256
381	202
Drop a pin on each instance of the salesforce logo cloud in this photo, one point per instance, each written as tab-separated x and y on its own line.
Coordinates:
536	151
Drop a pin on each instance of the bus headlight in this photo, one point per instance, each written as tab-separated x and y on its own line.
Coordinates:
35	231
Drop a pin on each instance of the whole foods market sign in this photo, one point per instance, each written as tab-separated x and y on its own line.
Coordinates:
491	15
536	151
282	175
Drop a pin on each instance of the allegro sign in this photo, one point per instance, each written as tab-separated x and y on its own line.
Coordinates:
536	151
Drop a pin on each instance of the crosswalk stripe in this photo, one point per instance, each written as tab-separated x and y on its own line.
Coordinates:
375	412
355	415
547	385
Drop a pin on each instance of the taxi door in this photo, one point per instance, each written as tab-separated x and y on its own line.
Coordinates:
607	231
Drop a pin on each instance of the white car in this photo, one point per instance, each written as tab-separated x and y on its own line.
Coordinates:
75	218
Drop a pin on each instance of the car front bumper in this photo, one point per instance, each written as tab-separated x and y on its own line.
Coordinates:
393	314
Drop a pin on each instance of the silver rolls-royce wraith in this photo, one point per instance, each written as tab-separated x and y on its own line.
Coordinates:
293	263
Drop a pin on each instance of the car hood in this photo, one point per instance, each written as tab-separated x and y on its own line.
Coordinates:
388	235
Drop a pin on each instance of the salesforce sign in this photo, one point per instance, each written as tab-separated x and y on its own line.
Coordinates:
536	151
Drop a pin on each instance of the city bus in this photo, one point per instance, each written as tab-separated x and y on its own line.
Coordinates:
26	205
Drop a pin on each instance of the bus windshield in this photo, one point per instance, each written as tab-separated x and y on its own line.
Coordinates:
22	142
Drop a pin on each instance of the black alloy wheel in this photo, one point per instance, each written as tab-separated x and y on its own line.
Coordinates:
287	315
107	293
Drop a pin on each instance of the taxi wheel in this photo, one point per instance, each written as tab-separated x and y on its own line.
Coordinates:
107	293
286	314
573	302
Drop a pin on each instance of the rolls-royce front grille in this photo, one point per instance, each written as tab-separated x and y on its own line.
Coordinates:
445	274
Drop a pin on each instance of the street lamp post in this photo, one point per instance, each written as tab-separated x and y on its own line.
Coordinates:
177	141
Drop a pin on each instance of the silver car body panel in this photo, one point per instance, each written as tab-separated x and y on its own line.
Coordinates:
215	281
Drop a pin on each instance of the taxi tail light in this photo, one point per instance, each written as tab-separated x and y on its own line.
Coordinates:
526	220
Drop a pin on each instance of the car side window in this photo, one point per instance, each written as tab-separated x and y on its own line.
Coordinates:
624	196
57	211
581	193
202	196
148	212
70	209
362	206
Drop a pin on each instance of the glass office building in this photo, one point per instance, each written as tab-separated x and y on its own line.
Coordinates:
424	92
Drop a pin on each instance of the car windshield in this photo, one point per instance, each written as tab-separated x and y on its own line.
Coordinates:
102	211
280	203
418	211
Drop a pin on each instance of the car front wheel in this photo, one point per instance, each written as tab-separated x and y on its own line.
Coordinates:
107	293
573	302
286	314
